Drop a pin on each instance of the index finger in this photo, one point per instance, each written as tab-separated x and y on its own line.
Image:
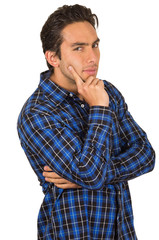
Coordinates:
75	75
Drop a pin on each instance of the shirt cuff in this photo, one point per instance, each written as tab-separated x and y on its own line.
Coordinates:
100	115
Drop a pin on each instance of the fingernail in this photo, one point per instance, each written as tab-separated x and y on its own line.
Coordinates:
69	68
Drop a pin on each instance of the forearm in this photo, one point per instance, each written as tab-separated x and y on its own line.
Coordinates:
96	150
137	160
80	161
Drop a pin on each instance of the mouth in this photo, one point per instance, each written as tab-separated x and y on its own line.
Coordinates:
90	71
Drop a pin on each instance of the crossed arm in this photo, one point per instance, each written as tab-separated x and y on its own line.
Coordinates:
89	164
137	160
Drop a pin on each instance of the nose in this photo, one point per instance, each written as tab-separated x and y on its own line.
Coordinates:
92	56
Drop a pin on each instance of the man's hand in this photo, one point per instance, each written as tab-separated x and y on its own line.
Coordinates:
92	90
58	181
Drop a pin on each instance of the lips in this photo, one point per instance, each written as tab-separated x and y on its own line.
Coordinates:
90	71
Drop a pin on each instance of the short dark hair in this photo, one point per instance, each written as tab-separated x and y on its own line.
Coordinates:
51	31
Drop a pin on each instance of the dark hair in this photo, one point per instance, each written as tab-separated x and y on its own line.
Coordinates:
51	31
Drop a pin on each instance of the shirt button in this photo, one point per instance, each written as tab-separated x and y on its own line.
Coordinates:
82	105
71	95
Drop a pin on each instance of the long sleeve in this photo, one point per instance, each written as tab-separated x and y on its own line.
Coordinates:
82	162
136	156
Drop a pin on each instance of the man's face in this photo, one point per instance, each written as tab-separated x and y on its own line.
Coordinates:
80	50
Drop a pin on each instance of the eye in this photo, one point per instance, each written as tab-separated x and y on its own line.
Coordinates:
95	45
78	49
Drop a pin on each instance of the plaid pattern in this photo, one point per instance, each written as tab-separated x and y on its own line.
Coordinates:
98	148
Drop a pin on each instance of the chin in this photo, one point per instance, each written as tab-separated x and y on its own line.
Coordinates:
88	75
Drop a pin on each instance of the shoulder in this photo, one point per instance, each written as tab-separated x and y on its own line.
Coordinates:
116	99
36	103
37	112
113	91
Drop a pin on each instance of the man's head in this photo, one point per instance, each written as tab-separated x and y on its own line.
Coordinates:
68	36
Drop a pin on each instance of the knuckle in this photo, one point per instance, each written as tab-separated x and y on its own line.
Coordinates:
80	90
85	87
91	86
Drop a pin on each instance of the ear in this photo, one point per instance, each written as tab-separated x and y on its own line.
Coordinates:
52	58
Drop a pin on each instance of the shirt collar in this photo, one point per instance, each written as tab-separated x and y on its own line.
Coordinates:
52	91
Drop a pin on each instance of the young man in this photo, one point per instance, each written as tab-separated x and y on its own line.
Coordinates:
78	129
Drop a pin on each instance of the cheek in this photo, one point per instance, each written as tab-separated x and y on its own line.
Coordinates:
71	59
98	56
76	63
68	59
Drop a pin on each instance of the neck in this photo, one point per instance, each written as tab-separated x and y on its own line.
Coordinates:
63	81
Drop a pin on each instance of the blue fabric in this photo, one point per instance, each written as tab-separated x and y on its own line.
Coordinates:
99	148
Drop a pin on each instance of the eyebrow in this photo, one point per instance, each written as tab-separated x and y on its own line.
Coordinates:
83	43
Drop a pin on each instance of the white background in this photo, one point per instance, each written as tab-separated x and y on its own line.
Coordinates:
129	33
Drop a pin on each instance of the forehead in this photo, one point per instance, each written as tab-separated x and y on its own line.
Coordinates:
79	31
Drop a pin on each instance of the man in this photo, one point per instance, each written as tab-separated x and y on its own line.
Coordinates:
78	129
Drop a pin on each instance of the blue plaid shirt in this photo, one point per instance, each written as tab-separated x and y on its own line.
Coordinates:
99	148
